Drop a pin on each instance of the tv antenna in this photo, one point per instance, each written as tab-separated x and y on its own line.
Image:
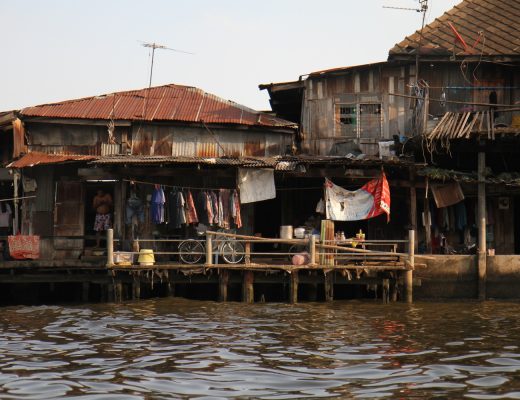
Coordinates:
155	46
423	8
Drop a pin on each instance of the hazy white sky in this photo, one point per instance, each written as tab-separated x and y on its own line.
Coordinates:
57	50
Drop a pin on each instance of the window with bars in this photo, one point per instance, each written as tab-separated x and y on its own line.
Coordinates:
358	120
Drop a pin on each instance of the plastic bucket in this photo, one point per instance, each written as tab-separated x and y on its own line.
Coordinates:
146	257
286	232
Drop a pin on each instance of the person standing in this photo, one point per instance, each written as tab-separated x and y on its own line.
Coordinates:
102	204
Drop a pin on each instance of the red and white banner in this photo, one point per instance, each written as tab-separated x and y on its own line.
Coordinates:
371	200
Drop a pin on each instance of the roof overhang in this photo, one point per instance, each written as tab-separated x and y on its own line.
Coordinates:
33	159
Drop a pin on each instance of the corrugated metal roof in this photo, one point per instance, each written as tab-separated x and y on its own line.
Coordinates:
285	163
161	103
340	70
498	20
144	160
35	158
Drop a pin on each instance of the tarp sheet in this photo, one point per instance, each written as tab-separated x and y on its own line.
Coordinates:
256	185
369	201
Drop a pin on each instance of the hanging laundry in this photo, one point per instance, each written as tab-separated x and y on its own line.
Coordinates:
5	215
157	205
460	215
176	215
235	209
224	208
209	208
200	207
191	212
214	207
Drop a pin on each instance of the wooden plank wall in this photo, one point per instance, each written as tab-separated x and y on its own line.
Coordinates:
370	85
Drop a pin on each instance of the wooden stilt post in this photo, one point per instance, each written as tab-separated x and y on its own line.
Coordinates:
312	251
386	290
85	289
111	293
427	224
110	247
209	249
408	274
248	294
329	286
118	291
293	287
394	289
482	258
170	285
413	204
223	281
247	258
136	288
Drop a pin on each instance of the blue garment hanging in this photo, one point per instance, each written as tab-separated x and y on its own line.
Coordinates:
157	205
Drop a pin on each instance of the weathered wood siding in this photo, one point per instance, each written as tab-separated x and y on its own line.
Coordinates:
355	86
470	83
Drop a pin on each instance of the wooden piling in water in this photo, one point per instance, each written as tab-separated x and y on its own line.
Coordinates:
85	289
481	204
136	287
248	294
293	287
110	247
408	275
118	291
329	285
386	291
223	281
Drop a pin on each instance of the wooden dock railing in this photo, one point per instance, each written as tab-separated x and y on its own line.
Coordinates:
231	251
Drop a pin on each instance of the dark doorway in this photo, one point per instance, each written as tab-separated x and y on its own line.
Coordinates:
91	189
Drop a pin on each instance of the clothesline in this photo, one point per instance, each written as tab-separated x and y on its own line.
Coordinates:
174	186
18	198
206	188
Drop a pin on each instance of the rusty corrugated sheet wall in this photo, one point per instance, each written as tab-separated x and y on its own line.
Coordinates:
19	146
199	142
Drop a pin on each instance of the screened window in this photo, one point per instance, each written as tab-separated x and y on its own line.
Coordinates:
358	120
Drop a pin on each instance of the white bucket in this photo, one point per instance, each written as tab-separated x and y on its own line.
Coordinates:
286	232
299	233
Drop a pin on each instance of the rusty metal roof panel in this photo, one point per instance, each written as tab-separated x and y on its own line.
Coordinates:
489	27
162	103
250	162
35	158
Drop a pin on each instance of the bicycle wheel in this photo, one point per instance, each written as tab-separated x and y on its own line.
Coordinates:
191	251
232	251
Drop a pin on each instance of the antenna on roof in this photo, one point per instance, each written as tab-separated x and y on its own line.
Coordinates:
423	8
154	46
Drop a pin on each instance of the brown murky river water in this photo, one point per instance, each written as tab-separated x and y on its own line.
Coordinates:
175	348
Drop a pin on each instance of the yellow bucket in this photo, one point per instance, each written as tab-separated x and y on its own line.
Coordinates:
146	257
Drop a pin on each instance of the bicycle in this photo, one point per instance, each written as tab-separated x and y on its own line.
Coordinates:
191	251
